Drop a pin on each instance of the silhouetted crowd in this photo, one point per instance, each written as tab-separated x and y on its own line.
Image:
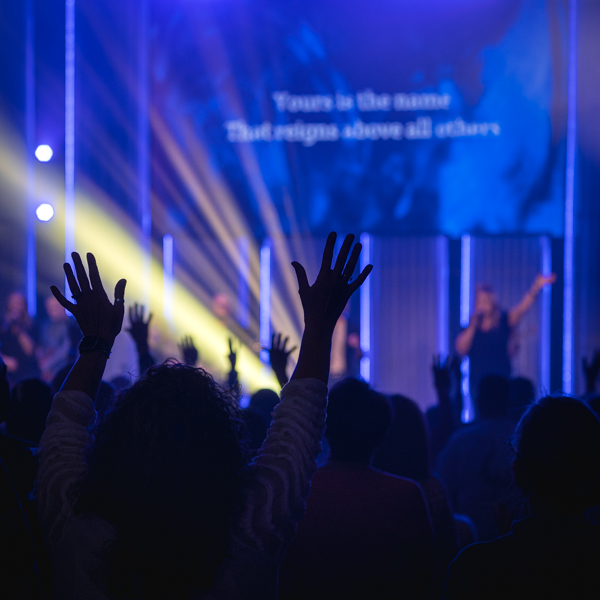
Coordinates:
164	487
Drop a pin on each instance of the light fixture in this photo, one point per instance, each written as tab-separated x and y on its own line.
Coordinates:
44	212
43	153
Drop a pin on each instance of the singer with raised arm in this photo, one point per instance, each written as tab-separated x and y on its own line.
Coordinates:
486	339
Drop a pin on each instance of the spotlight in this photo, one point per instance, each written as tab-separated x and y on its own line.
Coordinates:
43	153
44	211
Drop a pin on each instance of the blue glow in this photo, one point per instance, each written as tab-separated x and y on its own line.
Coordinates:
567	362
168	277
365	310
44	212
265	299
69	131
243	307
31	259
465	280
143	148
468	413
545	315
43	153
443	295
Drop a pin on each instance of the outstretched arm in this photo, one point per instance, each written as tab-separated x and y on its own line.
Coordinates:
99	319
285	463
63	442
323	304
516	313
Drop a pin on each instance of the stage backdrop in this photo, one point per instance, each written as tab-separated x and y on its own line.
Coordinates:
373	115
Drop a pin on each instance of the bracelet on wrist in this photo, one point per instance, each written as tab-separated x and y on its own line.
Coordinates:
94	343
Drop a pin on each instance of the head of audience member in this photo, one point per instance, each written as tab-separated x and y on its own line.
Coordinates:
522	394
258	416
357	421
54	310
493	398
16	310
557	457
263	402
405	451
166	469
486	302
29	407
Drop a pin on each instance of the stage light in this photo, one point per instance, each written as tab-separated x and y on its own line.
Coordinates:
43	153
44	212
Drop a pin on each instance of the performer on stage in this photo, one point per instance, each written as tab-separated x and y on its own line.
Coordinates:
486	339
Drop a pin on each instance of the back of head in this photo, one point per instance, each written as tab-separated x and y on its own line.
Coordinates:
257	416
263	402
357	420
30	404
165	468
557	445
405	451
493	398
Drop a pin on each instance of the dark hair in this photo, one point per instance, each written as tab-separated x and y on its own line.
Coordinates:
557	447
29	407
257	417
165	467
493	398
405	451
357	420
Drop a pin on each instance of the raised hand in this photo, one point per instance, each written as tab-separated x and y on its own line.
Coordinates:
96	315
541	281
323	303
232	356
591	370
189	352
138	327
278	357
325	300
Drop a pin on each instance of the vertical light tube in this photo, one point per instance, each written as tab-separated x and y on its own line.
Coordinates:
265	299
443	295
365	310
243	308
31	260
567	362
69	131
468	413
143	143
168	277
545	316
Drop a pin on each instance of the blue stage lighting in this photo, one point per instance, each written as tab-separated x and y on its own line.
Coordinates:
44	212
43	153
